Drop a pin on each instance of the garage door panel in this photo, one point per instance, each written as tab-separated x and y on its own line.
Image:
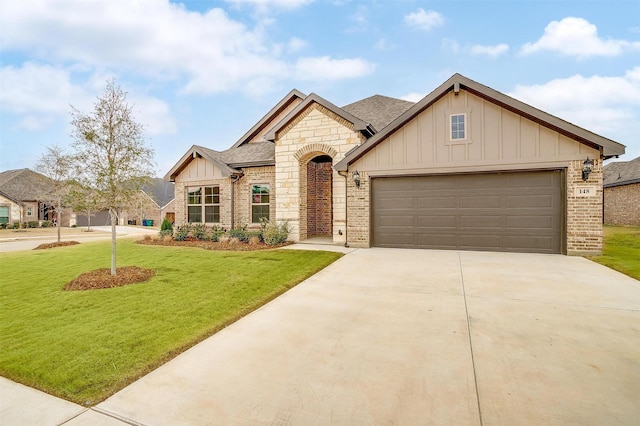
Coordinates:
515	211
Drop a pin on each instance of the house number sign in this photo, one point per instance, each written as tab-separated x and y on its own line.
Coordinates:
586	191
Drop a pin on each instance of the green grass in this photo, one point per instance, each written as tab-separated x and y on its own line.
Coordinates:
85	345
621	250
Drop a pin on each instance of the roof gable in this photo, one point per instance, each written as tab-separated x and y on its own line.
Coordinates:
24	184
358	124
273	113
200	151
457	82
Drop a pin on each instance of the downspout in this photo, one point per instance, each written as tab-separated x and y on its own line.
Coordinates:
234	179
346	207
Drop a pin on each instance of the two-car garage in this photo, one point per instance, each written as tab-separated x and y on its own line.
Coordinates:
511	211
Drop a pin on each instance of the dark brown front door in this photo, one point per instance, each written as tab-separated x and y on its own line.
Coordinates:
319	196
516	211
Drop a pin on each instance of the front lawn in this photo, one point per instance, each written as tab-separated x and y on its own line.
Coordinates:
621	250
85	345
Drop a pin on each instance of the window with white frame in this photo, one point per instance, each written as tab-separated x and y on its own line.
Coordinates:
458	127
4	214
259	202
29	211
203	203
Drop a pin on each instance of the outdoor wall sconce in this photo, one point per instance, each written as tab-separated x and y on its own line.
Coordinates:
587	168
356	178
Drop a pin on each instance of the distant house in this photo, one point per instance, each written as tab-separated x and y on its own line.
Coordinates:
154	202
621	184
21	194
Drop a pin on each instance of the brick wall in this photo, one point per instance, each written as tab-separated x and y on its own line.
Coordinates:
253	175
622	205
319	198
584	213
358	220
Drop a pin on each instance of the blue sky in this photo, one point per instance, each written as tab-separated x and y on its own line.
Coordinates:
203	72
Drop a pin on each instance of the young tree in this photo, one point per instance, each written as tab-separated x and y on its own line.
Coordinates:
110	146
83	199
58	166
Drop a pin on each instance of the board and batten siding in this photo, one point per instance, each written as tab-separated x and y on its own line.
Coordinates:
497	139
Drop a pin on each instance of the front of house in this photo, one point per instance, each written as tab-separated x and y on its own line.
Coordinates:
467	167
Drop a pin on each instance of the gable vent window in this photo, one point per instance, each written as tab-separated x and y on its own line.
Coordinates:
458	127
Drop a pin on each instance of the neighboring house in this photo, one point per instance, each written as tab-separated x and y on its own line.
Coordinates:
622	193
21	192
466	168
154	202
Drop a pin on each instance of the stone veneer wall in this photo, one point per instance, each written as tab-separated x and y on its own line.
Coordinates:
584	214
359	217
316	131
253	175
225	199
622	205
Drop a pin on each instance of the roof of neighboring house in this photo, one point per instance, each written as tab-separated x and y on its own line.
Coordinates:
160	191
621	173
378	110
250	154
24	184
607	147
10	197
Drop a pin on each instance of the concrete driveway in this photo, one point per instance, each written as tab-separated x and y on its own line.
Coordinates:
390	336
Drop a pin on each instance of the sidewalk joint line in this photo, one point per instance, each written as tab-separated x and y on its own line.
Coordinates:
473	360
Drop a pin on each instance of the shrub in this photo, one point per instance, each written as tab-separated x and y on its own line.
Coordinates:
259	235
240	233
46	223
74	225
16	225
166	228
24	225
182	232
199	231
33	224
216	233
276	233
3	225
147	237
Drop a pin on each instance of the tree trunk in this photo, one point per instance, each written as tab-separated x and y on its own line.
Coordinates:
59	216
112	213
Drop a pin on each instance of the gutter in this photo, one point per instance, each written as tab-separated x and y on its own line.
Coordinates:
234	179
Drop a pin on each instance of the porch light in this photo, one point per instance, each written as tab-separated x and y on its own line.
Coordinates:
356	178
587	168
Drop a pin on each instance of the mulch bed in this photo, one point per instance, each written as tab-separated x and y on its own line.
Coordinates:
56	244
102	278
212	245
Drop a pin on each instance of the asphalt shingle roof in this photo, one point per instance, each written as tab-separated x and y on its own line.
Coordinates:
162	192
24	184
621	172
378	110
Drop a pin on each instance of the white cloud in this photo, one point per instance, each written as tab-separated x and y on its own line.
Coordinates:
451	45
44	93
384	44
326	68
609	106
204	52
577	37
413	96
283	4
424	19
296	44
492	51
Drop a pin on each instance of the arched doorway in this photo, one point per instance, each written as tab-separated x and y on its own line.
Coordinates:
319	196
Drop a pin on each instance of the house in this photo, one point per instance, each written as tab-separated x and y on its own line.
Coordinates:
153	202
21	195
622	193
466	167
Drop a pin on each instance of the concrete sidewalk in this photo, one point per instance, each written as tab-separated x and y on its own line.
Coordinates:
407	337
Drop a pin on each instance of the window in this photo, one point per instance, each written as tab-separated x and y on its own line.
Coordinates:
458	127
4	214
203	202
259	202
29	211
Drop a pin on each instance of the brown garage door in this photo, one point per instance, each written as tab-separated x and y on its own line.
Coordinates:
498	211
